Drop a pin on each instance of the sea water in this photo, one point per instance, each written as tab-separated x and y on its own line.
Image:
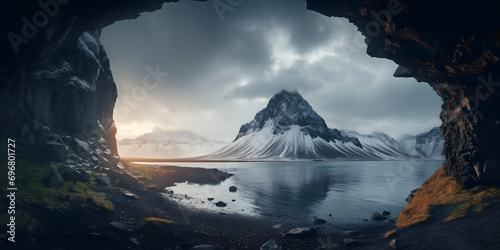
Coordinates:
344	191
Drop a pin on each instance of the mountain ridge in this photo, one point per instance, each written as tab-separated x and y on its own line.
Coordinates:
289	128
167	143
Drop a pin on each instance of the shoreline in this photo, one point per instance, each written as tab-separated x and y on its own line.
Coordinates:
195	226
87	227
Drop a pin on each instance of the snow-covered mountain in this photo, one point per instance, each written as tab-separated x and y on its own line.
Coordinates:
426	145
162	143
289	128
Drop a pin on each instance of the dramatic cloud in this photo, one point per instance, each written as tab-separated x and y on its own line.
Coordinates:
220	73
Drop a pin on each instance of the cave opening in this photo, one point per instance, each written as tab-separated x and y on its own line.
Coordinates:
59	98
183	66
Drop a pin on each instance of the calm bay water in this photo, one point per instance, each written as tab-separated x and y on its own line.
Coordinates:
348	190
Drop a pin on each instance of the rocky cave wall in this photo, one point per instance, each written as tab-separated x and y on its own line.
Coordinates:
455	47
452	45
57	89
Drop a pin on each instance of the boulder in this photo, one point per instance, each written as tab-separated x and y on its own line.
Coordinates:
119	226
105	163
69	173
53	181
56	151
210	199
130	195
124	178
378	216
386	213
221	204
83	175
301	232
270	245
319	221
103	180
94	160
392	244
114	159
99	151
120	166
81	147
233	189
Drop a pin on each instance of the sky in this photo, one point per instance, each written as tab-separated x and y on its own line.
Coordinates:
193	66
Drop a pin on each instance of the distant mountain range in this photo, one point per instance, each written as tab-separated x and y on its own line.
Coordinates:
289	128
163	143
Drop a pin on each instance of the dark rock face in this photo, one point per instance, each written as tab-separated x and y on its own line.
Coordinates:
56	84
457	52
64	105
53	92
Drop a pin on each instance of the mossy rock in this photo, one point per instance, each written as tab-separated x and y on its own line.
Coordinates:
155	227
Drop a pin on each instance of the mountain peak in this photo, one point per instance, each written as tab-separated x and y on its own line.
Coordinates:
283	110
288	109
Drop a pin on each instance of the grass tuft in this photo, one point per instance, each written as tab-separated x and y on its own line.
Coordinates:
156	220
149	172
29	177
390	233
441	189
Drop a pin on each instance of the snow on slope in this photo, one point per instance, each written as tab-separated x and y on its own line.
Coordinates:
160	143
288	128
426	145
291	144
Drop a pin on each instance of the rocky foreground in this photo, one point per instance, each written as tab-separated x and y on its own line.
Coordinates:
110	213
74	209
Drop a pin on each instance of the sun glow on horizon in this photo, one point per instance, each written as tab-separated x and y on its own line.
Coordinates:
133	130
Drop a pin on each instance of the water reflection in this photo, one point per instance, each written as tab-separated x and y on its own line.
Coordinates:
349	190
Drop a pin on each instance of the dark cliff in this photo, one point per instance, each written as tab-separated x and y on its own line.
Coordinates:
452	45
62	109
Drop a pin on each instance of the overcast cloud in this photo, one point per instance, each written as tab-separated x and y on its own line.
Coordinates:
222	72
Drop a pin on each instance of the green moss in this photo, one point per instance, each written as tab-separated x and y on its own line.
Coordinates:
25	218
30	189
149	172
102	201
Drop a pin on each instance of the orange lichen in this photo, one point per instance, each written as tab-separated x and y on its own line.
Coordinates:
156	220
390	233
441	189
